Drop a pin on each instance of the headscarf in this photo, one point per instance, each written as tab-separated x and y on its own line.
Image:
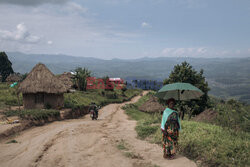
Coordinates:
165	116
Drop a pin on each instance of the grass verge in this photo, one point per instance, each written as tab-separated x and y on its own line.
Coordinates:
33	114
8	96
80	99
211	145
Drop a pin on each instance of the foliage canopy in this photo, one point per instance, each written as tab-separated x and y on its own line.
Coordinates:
184	72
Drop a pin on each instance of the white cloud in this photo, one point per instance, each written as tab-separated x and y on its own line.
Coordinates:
20	34
190	3
204	52
184	52
31	2
75	8
50	42
70	33
115	2
145	25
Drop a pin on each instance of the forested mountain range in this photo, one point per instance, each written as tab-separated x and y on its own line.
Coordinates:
227	77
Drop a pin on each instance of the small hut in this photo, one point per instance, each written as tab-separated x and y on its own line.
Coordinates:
41	89
16	77
152	106
66	79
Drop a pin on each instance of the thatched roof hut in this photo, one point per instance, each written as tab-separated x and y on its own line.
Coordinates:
14	78
152	106
66	79
41	89
41	79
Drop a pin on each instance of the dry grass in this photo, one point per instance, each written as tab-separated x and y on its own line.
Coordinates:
41	79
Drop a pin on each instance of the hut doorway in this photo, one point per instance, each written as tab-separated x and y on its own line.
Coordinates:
39	100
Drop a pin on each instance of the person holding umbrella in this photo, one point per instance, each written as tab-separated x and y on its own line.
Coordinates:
170	126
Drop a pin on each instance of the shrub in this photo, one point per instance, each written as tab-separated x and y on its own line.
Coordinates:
11	141
39	114
111	95
12	113
233	115
12	101
144	131
8	96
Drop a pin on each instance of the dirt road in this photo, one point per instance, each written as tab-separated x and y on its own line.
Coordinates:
86	143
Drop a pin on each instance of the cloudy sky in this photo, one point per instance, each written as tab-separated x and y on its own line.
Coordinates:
127	28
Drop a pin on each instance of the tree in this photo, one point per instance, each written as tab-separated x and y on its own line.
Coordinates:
24	76
108	85
5	66
184	72
80	78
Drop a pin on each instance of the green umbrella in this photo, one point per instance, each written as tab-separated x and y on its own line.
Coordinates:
179	91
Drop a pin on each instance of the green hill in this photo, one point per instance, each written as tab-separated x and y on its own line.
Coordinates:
227	77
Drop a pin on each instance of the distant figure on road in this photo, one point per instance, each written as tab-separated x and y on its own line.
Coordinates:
93	111
170	126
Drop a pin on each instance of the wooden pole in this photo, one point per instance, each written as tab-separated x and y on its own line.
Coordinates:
18	99
178	94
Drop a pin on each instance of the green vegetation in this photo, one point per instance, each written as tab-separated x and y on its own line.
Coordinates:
132	155
80	78
211	145
146	122
11	141
5	66
10	113
234	115
223	78
122	145
184	72
214	145
33	114
76	100
124	148
100	97
8	96
39	114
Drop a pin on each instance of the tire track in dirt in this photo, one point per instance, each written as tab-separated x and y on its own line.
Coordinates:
83	142
47	147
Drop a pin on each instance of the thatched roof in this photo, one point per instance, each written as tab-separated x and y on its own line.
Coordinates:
66	78
41	79
206	116
14	78
152	105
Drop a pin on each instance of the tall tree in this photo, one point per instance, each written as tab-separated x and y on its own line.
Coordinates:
5	66
80	78
184	72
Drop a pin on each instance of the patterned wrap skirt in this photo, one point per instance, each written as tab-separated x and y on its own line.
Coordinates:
170	138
